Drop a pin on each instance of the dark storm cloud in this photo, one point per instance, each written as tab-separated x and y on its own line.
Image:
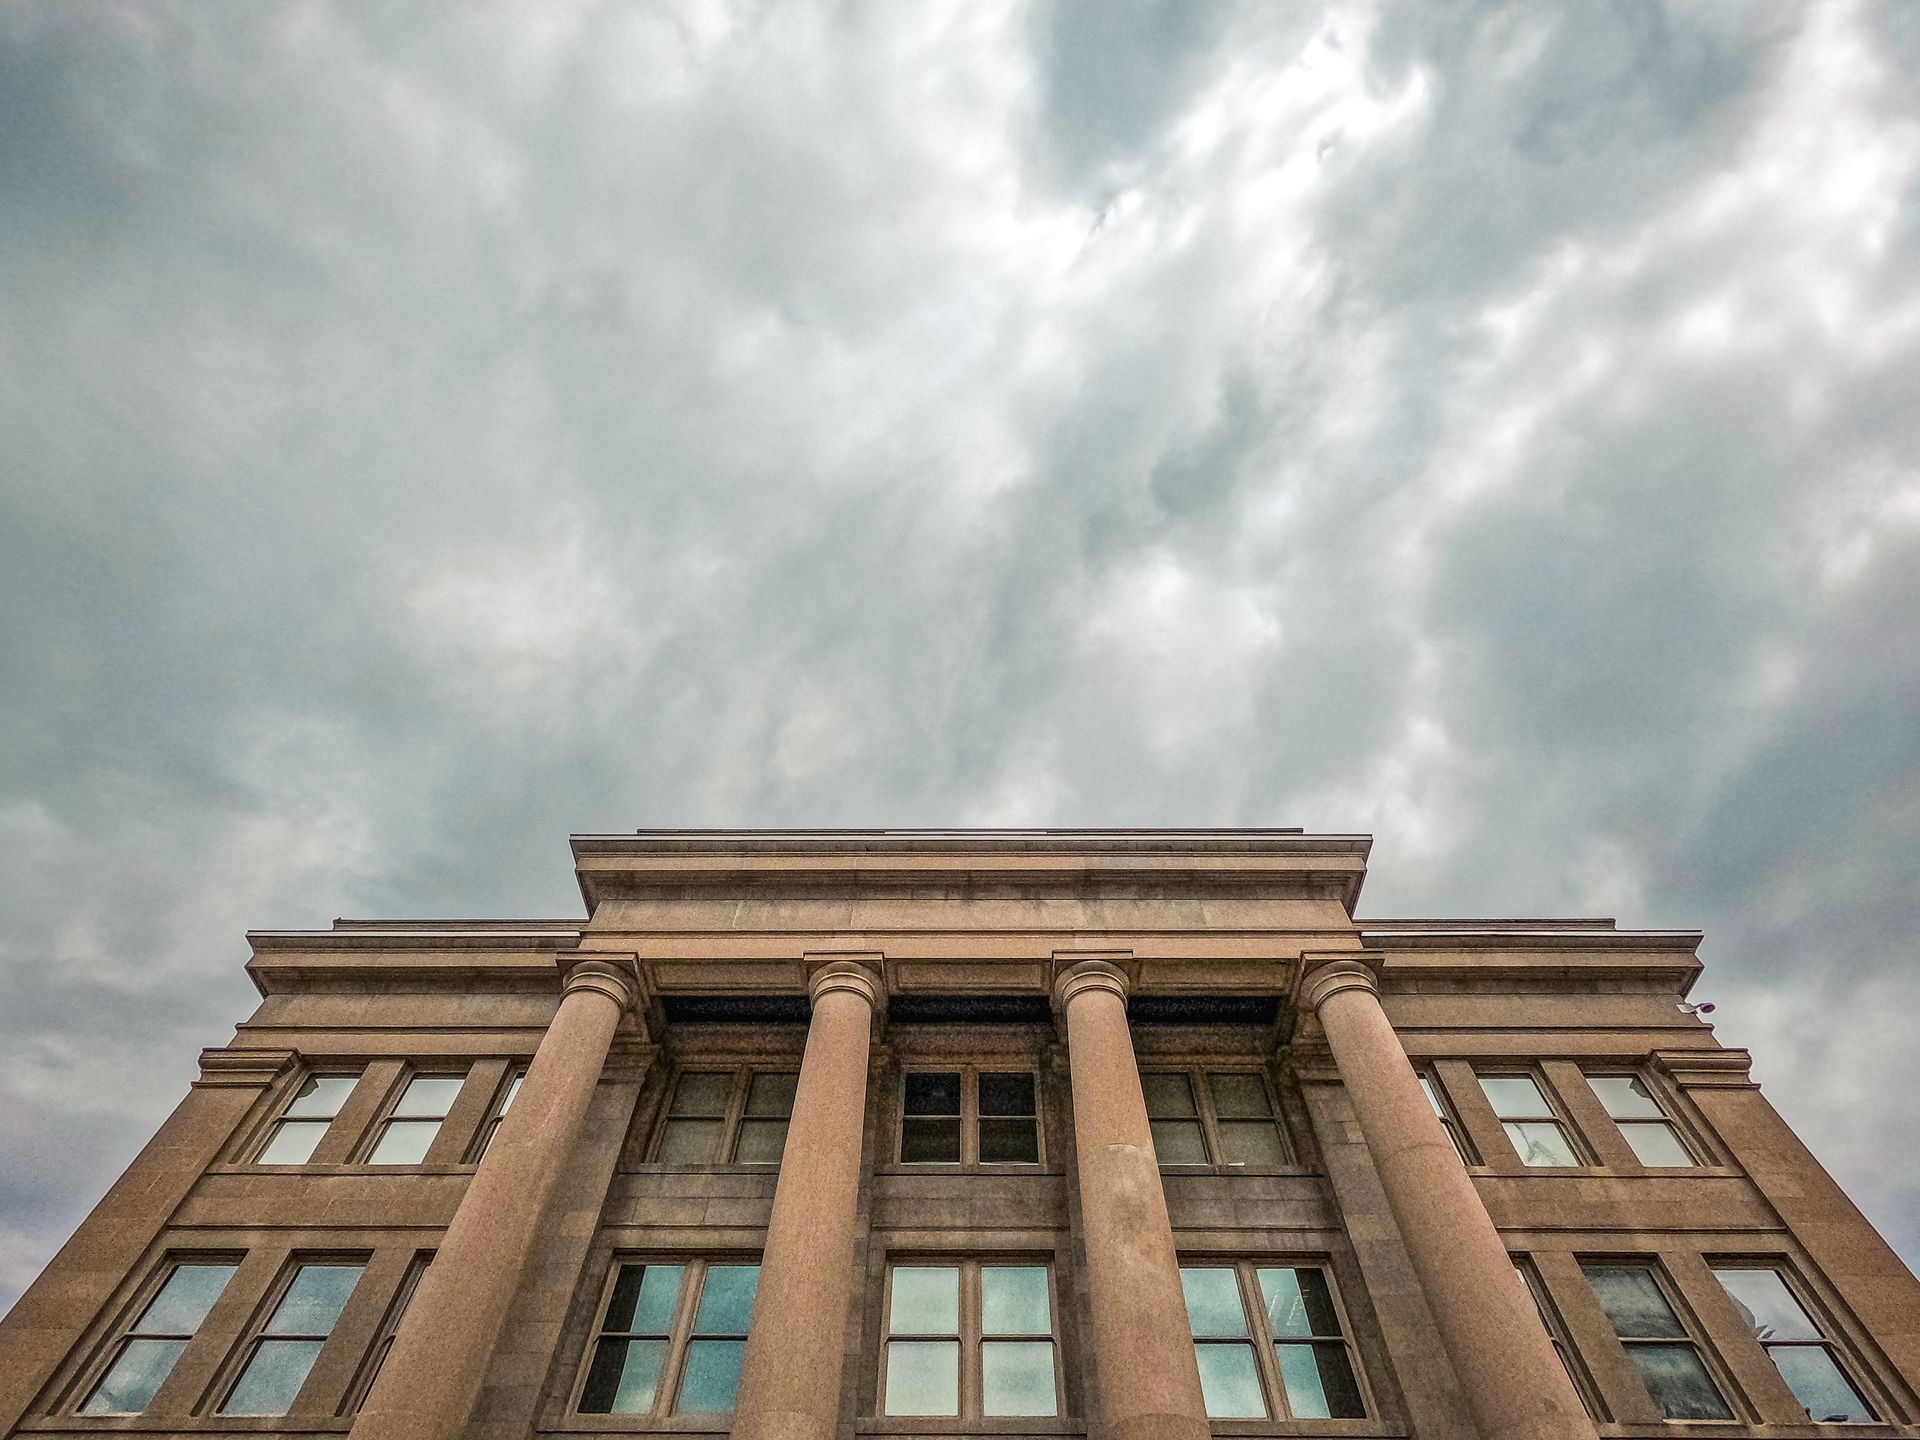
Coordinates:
432	432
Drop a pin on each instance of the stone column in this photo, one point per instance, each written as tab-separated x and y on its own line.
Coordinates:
790	1377
1511	1378
1146	1377
434	1373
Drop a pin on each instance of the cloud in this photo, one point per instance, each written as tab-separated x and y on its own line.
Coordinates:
431	433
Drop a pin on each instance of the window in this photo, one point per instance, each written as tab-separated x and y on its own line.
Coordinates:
971	1338
976	1117
284	1351
1536	1132
389	1328
1657	1342
1641	1120
671	1339
1223	1117
505	1104
154	1341
1269	1341
1431	1088
410	1127
734	1117
1797	1346
305	1120
1557	1333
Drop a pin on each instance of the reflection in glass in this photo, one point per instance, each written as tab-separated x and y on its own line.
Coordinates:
1819	1384
1679	1383
1016	1377
923	1377
136	1373
1013	1300
1229	1382
926	1300
711	1377
1213	1302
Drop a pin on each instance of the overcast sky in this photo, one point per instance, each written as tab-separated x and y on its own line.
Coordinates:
430	430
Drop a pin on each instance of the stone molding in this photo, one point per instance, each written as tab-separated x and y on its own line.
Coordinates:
242	1068
610	973
1348	970
1715	1069
859	973
1087	974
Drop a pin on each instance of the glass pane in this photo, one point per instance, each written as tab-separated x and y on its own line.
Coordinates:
1013	1300
923	1377
930	1140
293	1142
726	1300
1319	1381
711	1377
688	1142
1299	1303
1240	1097
926	1300
1626	1097
1178	1142
1433	1096
1767	1304
702	1092
1251	1142
1010	1142
1016	1377
1540	1142
770	1095
1679	1383
933	1094
136	1374
1229	1382
512	1094
1515	1097
644	1299
1006	1095
1656	1144
761	1142
404	1142
1818	1383
320	1097
314	1300
624	1377
1213	1303
1168	1096
1633	1302
429	1097
272	1378
184	1300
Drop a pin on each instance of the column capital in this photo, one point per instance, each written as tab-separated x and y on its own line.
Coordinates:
1079	976
861	974
1329	977
609	973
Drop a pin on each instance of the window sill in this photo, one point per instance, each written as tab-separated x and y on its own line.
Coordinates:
462	1169
1007	1167
175	1424
978	1425
1279	1170
1612	1172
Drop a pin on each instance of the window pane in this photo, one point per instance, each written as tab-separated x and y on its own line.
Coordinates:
1818	1383
703	1093
1016	1377
644	1299
711	1377
1013	1300
512	1094
1679	1383
293	1142
272	1378
1633	1302
320	1097
183	1302
923	1377
1626	1097
1433	1096
624	1377
1009	1142
1229	1382
1169	1096
726	1300
688	1142
1656	1144
1178	1142
1240	1097
1251	1142
926	1300
136	1374
1213	1303
1299	1303
770	1095
933	1094
1515	1097
930	1140
404	1142
761	1142
429	1097
1767	1304
1319	1381
1540	1142
314	1300
1006	1094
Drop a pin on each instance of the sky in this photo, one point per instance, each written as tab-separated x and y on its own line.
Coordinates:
433	430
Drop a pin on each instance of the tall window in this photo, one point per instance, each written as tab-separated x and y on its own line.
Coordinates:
410	1127
145	1354
1270	1342
974	1117
1448	1122
282	1354
1641	1120
1536	1132
389	1329
733	1117
1658	1342
305	1120
671	1339
1795	1343
973	1338
1557	1333
500	1108
1221	1117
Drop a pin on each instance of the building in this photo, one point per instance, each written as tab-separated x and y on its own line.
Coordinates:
1132	1134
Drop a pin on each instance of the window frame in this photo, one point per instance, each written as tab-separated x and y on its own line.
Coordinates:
368	1372
1693	1334
107	1352
1688	1145
740	1083
970	1335
1441	1103
1199	1076
281	1119
252	1338
503	1097
1818	1317
1266	1359
665	1410
1561	1338
970	1073
1583	1157
388	1116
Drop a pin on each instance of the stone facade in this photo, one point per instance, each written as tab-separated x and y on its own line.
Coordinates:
1050	1102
